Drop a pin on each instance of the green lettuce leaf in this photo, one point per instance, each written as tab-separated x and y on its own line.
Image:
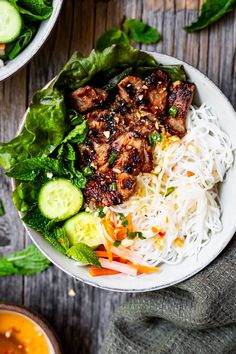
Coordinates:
211	11
43	131
14	48
79	70
78	134
34	10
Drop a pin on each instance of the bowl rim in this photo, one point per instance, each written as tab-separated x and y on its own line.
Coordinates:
38	319
156	287
36	44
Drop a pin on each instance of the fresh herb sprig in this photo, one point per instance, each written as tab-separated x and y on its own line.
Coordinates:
25	262
211	11
131	30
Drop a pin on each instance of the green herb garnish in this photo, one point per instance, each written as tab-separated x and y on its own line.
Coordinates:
101	213
169	191
112	158
84	254
173	111
132	30
211	11
133	235
25	262
87	171
113	186
116	243
2	211
141	32
123	219
154	138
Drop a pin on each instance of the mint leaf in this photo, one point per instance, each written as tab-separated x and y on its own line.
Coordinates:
84	254
2	211
29	169
112	36
141	32
25	262
48	228
66	152
211	11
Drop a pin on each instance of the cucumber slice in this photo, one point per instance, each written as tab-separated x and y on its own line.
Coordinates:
60	199
10	22
83	227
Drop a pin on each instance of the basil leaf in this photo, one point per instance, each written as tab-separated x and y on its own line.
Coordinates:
25	262
2	211
112	36
84	254
141	32
211	11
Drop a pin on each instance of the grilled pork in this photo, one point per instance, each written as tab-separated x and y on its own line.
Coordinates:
117	146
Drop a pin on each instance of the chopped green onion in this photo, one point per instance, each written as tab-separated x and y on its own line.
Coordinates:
116	243
154	138
87	171
125	222
123	219
133	235
169	191
173	111
141	237
2	211
112	158
113	186
101	213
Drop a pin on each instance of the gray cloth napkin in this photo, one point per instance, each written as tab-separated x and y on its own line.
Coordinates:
193	317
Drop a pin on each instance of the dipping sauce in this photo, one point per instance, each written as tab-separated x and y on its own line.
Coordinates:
18	334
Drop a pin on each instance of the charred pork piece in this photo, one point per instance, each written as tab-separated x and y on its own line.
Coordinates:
117	165
130	88
156	86
103	125
110	188
86	98
134	154
180	98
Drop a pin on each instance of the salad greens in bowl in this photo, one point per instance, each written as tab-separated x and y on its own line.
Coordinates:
24	27
50	176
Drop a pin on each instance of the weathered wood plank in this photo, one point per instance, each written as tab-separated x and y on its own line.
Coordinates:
81	321
11	229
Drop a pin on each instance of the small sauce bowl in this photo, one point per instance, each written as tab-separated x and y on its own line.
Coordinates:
22	331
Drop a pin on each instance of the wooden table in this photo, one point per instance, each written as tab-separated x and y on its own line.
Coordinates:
81	321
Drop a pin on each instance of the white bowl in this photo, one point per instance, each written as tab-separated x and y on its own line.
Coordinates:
170	274
42	34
